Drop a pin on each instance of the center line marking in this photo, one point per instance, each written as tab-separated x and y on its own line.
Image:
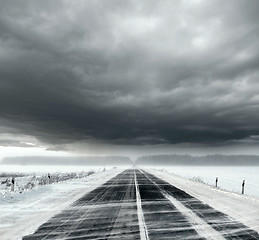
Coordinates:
141	219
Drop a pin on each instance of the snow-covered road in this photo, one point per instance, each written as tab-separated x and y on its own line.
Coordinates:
109	211
139	205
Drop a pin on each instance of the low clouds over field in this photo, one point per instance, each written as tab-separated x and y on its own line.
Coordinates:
129	72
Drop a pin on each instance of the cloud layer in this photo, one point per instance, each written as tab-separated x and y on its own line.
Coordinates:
130	72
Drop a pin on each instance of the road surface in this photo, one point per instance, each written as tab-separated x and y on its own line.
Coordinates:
138	205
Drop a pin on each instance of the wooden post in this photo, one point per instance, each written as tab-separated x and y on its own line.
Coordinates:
243	187
217	182
48	178
12	186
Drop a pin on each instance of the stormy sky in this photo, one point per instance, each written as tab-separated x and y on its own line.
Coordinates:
99	75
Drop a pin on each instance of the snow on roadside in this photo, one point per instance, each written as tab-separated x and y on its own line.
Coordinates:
27	182
240	207
22	214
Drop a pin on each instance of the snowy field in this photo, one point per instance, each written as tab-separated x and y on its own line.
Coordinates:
229	178
33	176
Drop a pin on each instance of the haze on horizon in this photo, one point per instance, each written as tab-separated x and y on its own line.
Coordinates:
129	77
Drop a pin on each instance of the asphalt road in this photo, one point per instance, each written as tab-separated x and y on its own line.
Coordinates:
138	205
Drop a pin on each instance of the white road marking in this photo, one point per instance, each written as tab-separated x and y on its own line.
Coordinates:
141	219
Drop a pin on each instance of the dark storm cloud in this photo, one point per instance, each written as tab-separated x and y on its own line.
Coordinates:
130	72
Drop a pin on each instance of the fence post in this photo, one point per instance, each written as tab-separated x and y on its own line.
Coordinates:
12	186
48	178
243	187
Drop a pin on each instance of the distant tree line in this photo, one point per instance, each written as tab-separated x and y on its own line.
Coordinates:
207	160
88	160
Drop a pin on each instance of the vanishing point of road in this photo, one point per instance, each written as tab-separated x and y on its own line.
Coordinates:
137	205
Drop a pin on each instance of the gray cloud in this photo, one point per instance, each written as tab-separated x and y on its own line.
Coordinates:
130	72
